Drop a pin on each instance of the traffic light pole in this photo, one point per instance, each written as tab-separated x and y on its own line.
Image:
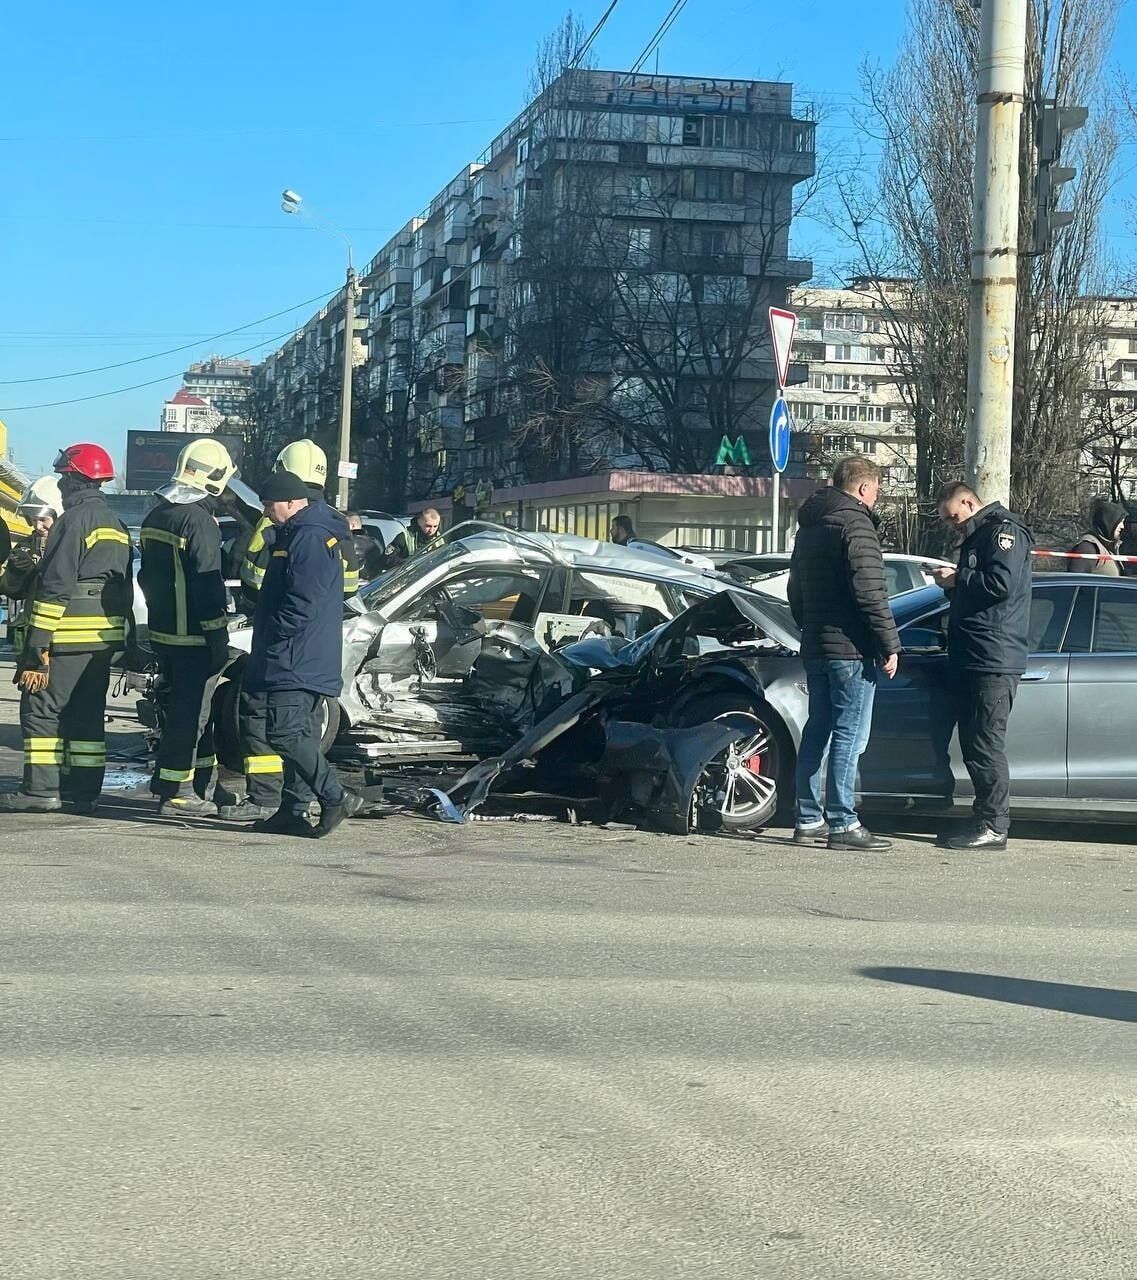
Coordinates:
994	248
345	394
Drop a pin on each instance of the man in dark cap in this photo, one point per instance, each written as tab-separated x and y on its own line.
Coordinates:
1103	542
296	656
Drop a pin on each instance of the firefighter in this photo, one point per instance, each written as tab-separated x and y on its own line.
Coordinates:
40	506
81	607
264	769
185	602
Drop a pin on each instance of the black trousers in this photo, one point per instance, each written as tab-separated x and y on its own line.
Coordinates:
186	759
63	727
293	731
983	709
264	769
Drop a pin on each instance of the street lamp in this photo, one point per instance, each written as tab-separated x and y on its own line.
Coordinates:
291	202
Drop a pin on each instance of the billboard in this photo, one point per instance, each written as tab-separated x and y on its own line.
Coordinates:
151	455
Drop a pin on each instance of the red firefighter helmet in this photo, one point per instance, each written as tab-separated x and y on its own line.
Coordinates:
90	460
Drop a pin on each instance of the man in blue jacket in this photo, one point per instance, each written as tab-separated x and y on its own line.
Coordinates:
296	656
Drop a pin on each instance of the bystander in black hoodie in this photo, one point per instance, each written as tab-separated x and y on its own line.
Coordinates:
1101	541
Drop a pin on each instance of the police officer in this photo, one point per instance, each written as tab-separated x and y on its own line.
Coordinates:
81	605
296	657
264	769
185	603
40	506
988	624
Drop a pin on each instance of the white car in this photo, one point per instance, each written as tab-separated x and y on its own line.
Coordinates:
769	573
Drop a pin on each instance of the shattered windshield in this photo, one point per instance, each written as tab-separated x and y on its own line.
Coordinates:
385	588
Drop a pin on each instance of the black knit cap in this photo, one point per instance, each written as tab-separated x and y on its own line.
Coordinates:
283	486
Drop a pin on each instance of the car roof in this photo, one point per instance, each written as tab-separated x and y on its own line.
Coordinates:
912	604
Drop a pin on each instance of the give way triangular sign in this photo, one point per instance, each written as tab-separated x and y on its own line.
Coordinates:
782	326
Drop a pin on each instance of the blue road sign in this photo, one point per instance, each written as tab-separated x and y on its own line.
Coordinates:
781	424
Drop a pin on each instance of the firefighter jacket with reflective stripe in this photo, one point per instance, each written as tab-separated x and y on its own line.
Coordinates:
82	599
181	574
260	552
18	583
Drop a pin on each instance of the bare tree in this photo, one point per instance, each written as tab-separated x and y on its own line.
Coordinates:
638	324
911	235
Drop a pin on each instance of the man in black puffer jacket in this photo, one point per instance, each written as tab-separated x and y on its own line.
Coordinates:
839	600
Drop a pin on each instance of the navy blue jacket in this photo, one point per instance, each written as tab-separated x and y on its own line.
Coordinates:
298	625
989	619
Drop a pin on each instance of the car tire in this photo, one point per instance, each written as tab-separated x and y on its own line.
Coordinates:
758	793
227	725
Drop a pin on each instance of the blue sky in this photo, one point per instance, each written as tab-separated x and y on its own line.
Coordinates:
143	149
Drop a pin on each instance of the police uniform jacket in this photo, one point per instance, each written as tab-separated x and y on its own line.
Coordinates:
181	574
259	554
989	618
83	594
298	626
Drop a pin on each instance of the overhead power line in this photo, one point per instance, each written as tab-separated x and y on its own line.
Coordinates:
170	351
118	391
660	31
596	30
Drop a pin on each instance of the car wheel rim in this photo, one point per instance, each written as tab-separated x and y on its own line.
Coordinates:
746	779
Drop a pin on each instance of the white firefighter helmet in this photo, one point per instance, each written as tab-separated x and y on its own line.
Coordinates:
203	469
41	498
304	458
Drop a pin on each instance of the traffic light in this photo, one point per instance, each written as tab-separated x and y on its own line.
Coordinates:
1054	124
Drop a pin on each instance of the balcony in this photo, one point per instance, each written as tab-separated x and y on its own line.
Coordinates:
455	223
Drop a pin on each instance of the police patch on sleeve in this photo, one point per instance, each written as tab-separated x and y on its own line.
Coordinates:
1006	536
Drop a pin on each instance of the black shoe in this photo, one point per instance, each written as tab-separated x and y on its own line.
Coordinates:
857	838
334	814
981	837
812	835
245	811
283	824
222	797
21	802
81	808
186	807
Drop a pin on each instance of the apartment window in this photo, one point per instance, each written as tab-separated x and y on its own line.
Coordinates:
708	241
723	186
716	131
839	444
851	320
639	246
639	186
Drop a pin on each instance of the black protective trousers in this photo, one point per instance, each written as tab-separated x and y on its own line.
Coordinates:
264	769
186	760
983	708
293	723
63	727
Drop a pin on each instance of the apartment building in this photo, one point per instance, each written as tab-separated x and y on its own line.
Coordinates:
1110	440
221	382
187	412
852	401
667	200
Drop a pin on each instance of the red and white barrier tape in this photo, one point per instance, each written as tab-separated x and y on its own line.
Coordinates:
1082	555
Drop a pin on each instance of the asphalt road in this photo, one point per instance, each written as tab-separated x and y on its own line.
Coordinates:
531	1051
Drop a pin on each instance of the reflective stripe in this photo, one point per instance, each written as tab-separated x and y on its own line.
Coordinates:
213	624
42	743
280	553
163	535
252	573
108	635
51	610
331	542
263	764
164	637
89	622
86	755
87	746
44	621
175	775
205	762
44	757
106	535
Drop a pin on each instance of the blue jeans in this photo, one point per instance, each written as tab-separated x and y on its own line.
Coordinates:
840	716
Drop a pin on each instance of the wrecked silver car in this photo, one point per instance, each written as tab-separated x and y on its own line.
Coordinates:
450	655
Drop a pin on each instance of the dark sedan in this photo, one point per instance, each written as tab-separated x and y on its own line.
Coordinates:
1072	741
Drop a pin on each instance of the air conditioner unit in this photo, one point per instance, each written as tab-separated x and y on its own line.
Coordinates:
690	130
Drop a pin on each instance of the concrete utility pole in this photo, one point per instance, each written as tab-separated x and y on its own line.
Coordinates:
994	248
350	291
